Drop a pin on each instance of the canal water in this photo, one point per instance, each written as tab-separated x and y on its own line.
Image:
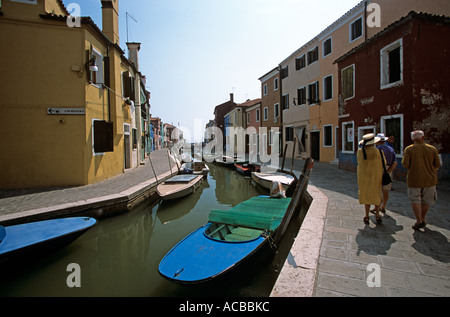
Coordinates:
121	254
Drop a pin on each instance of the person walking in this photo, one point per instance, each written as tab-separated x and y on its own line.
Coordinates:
391	164
369	174
422	162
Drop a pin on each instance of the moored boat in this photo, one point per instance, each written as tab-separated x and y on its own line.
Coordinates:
31	240
196	168
230	238
179	186
246	169
264	179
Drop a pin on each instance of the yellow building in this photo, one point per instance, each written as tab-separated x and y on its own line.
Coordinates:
62	109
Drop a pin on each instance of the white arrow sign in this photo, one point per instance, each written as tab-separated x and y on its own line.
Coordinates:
71	111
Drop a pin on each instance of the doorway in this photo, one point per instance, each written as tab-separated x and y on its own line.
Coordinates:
315	145
127	146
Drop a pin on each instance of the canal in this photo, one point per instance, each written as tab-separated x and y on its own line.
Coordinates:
121	254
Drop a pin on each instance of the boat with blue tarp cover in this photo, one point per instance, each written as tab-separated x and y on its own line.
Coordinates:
28	240
231	237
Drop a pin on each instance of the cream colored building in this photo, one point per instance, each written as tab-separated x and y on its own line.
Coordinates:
314	124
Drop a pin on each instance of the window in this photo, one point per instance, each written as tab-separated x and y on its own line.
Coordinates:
102	137
327	47
96	77
275	84
348	82
265	90
301	96
284	72
285	102
276	110
313	55
300	62
362	131
348	137
248	118
393	126
313	93
392	64
128	86
356	29
328	88
328	135
289	132
257	115
134	138
266	113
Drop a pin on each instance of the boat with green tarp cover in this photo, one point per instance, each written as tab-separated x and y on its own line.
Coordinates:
231	237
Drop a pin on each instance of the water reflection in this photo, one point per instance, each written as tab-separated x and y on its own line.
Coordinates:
120	255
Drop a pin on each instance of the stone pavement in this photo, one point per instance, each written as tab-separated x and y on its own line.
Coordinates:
18	205
333	249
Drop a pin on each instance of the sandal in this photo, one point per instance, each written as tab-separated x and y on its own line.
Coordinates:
378	219
366	220
417	226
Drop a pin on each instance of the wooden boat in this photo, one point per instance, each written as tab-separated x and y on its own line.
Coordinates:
227	161
287	180
230	238
197	168
246	169
179	186
29	240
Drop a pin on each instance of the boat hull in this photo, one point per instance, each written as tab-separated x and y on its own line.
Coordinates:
198	258
204	171
178	190
266	182
29	240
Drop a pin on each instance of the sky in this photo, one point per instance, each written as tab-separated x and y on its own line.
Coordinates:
194	53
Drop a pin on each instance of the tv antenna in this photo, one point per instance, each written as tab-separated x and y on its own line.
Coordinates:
129	15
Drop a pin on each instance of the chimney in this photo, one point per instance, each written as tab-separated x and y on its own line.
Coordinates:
232	97
133	49
110	19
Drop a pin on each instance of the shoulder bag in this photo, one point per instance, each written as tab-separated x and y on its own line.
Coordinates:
386	177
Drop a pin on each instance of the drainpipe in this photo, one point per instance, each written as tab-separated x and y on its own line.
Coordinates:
365	20
109	83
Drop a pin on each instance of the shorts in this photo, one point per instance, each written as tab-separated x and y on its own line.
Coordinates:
423	196
389	186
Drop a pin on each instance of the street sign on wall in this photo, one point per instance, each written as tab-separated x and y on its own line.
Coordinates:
66	111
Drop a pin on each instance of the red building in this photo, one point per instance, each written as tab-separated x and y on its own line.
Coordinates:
396	82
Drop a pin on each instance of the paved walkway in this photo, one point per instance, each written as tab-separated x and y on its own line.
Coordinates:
331	254
18	205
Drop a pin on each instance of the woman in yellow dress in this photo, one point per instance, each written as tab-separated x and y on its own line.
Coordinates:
370	174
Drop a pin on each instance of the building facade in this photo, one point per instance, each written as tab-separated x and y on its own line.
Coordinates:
235	127
69	127
309	76
390	85
271	108
219	117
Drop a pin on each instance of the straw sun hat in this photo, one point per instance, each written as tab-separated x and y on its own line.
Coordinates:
369	139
